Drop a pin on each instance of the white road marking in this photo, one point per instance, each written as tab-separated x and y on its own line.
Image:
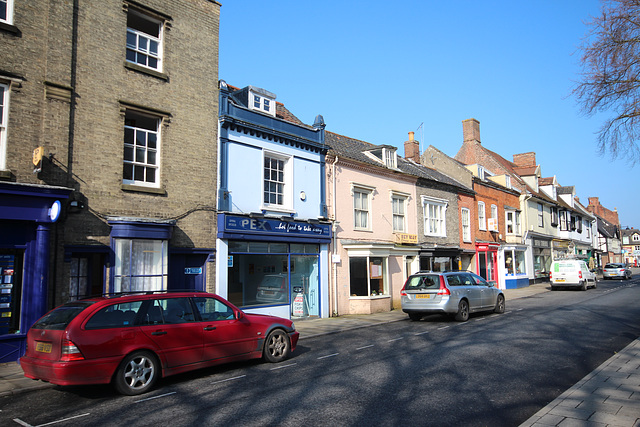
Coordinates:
396	339
156	397
328	355
366	346
19	421
284	366
422	333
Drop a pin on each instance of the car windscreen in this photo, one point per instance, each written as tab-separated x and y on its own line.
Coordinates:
431	281
59	318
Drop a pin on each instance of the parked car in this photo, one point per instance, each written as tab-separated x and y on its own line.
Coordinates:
456	293
133	340
572	273
616	271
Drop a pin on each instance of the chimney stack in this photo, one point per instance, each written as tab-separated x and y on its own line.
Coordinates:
525	159
471	131
412	149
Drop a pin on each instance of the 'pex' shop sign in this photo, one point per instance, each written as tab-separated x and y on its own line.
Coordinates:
275	227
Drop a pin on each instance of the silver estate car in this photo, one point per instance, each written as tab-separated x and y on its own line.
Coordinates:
456	293
616	271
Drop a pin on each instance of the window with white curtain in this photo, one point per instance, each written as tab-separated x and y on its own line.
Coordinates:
141	265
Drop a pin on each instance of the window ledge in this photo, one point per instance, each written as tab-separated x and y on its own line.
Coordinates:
9	28
5	174
140	189
135	67
370	297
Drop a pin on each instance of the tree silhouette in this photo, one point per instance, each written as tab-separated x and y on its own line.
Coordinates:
611	76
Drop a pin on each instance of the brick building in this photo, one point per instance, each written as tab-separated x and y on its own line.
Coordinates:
122	126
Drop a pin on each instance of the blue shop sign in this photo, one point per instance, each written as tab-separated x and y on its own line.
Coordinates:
275	226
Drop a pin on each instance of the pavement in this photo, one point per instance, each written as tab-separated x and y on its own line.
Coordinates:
608	396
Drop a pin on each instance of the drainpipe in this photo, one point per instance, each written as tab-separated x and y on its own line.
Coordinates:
333	250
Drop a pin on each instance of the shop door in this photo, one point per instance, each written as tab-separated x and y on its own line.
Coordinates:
305	301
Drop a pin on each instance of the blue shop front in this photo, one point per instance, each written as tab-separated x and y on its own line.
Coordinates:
27	217
274	266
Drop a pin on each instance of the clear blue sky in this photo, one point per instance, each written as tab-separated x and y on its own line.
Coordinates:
376	70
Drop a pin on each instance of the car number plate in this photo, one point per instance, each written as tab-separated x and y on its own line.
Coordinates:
43	347
559	280
423	296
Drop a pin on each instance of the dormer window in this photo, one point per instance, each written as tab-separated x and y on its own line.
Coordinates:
481	171
387	155
507	181
262	100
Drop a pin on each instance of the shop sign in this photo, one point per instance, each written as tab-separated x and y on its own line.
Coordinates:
274	226
193	270
406	239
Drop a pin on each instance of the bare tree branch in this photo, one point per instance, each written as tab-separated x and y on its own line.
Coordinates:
610	81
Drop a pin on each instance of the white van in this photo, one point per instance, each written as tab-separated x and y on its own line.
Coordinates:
572	273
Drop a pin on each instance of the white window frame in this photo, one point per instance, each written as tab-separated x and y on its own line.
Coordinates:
635	238
390	158
435	216
9	11
364	209
507	181
465	217
512	222
4	119
399	215
540	215
132	159
482	216
287	182
136	48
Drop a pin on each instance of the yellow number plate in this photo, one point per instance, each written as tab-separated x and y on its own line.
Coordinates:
43	347
423	296
559	280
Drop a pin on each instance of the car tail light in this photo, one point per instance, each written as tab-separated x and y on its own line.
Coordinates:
402	291
550	275
443	288
579	274
70	352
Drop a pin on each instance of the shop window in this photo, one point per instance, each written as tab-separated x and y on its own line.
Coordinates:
144	40
10	291
367	276
266	273
514	262
141	265
141	149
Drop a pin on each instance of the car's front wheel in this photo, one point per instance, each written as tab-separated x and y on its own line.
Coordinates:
463	311
500	305
137	373
277	346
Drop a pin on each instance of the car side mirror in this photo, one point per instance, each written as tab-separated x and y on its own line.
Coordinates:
239	315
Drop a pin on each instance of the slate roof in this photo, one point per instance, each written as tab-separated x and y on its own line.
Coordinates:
354	149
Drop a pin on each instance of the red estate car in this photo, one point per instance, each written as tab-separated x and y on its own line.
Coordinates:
131	340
